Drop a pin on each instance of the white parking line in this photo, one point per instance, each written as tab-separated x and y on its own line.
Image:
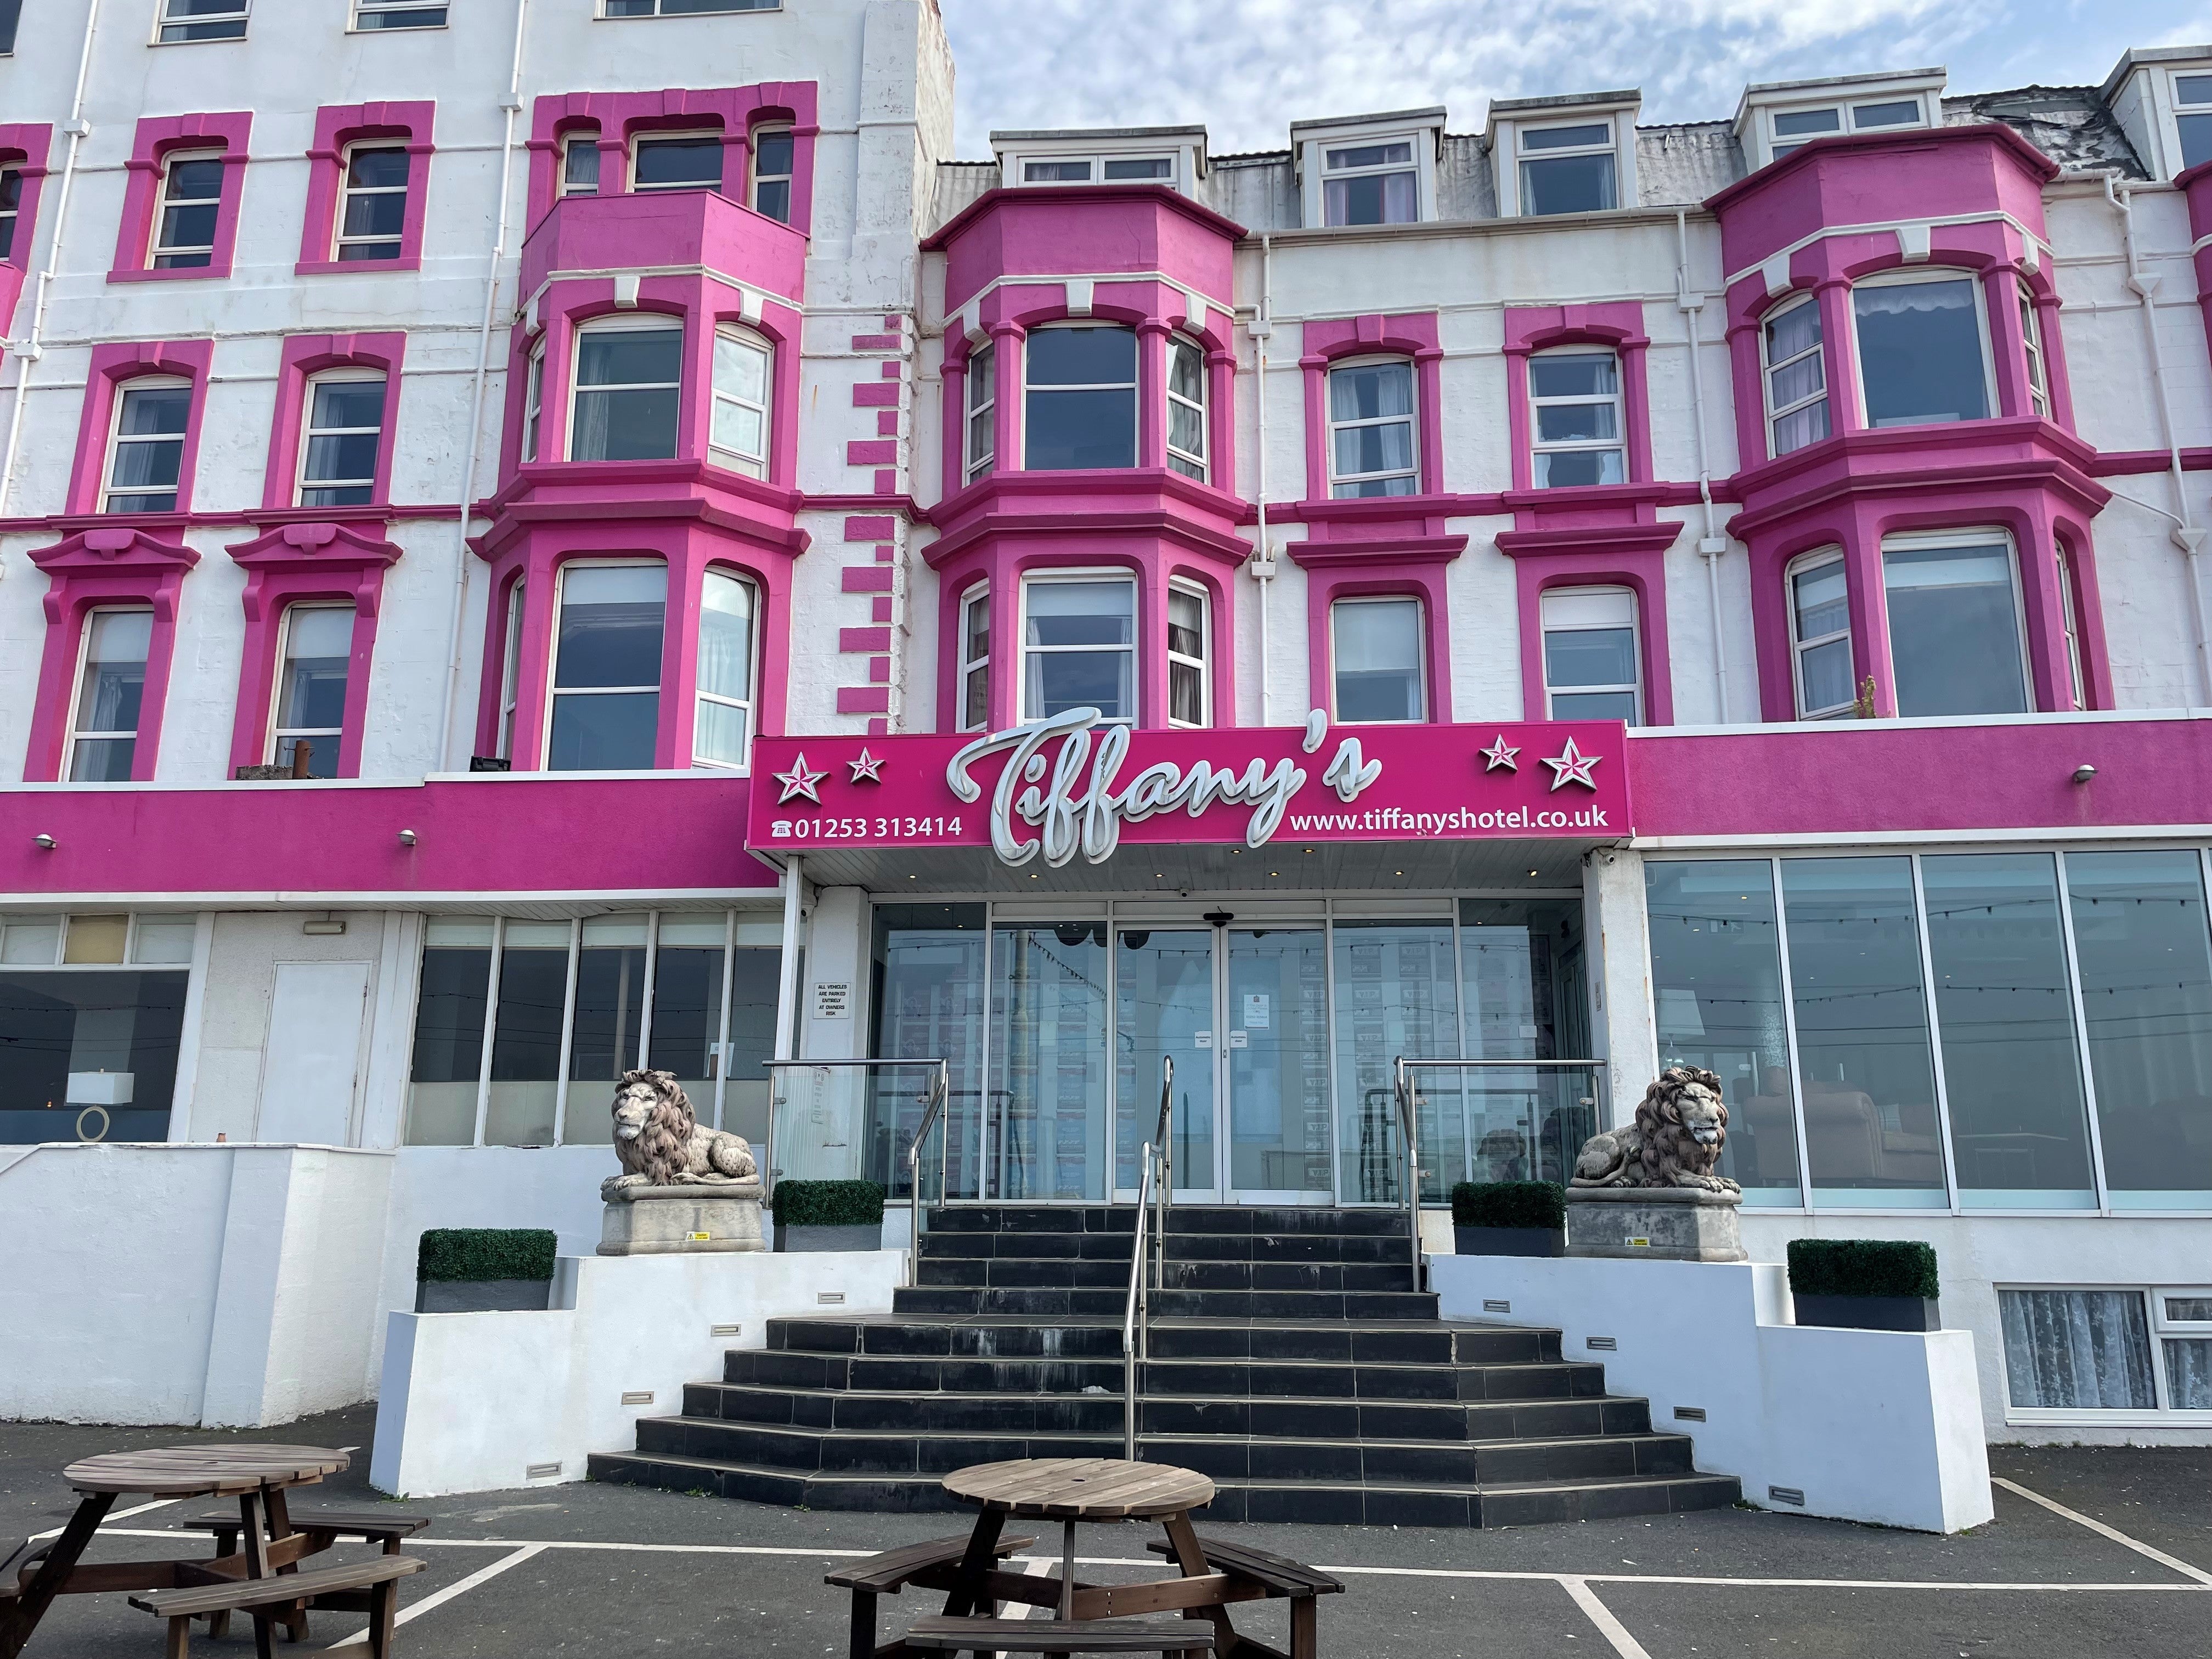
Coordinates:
1600	1615
2113	1533
109	1525
415	1610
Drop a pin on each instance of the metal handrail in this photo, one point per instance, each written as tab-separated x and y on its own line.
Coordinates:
1165	1144
1136	1315
934	1094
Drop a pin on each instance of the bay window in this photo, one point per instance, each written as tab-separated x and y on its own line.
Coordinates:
683	161
606	666
1567	169
1576	419
1370	184
629	374
1370	429
1079	646
1593	669
774	153
982	421
344	436
185	217
1797	376
1955	644
111	688
373	210
1081	407
976	660
1820	635
721	729
314	660
738	437
1922	348
1378	659
1189	694
1186	431
146	454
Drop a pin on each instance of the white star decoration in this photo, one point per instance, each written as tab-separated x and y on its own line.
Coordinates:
1499	757
869	769
1572	766
800	782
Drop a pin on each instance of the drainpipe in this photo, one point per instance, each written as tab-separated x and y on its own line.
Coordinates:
1713	545
2186	537
28	351
1262	564
510	107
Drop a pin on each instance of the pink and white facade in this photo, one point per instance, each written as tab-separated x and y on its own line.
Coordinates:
559	562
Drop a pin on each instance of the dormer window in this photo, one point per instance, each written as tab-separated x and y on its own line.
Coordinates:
2193	118
1791	128
1056	173
1567	169
1370	184
1099	169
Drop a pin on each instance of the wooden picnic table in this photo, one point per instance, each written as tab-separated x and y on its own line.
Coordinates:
257	1476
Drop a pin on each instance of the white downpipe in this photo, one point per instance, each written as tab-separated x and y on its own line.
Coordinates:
2187	536
510	107
1713	545
786	975
28	351
1263	555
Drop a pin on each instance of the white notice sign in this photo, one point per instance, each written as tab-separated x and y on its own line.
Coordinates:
832	1000
1256	1009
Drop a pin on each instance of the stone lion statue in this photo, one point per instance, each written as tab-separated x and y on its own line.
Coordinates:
661	1143
1681	1124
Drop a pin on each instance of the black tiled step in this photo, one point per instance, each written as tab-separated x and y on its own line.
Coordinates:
1100	1302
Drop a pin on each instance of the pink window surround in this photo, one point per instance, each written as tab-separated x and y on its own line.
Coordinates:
113	365
1413	566
159	137
1158	311
1410	335
534	552
2196	187
619	117
1631	555
24	146
699	305
337	126
289	564
1617	327
305	356
1156	563
106	564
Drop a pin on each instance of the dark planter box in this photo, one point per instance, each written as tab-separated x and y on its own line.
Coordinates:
1509	1241
1870	1313
801	1240
483	1295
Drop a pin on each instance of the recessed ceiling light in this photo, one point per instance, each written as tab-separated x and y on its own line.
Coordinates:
1532	872
1397	872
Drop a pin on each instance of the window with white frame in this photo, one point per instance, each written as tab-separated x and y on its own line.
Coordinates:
2192	119
111	689
11	207
1080	411
1577	422
201	20
510	672
1374	183
1099	169
683	8
982	415
369	15
1797	376
1186	431
609	617
2070	615
1190	693
1371	450
533	401
1955	644
373	212
675	161
1567	169
737	436
2031	339
1378	652
775	160
146	455
579	163
11	14
630	372
1060	170
1790	128
2107	1348
343	438
1593	666
722	723
191	202
976	660
311	688
1922	349
1820	635
1079	646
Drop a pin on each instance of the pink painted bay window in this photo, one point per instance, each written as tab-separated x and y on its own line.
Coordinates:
180	197
369	188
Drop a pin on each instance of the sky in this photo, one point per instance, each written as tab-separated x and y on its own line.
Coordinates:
1247	69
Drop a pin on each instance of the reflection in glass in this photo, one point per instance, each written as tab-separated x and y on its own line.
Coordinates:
1277	1021
525	1041
53	1026
1079	648
2146	963
1953	630
1081	410
604	1037
2012	1069
1376	650
1163	1008
1524	981
450	1007
1370	420
606	668
1049	1058
310	691
1920	351
627	380
110	696
1397	992
1869	1084
687	1009
927	1000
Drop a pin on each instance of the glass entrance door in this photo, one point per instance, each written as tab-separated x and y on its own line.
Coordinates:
1164	989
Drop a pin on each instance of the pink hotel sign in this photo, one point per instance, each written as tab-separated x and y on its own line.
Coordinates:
1074	786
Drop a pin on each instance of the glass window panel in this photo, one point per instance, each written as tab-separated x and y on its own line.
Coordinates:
1565	469
30	941
687	1018
382	169
1920	351
2196	139
679	163
1590	656
1899	113
1572	423
96	939
1370	155
1578	374
2146	963
2012	1070
1071	430
726	637
1397	992
1056	173
2193	1310
2189	1373
609	626
1366	392
926	1003
1164	1001
1083	356
166	940
2077	1350
1376	652
53	1025
1150	167
1953	630
1870	1084
1800	427
525	1045
1524	986
1801	123
609	1019
750	1041
1372	198
603	733
1048	1067
579	164
1186	622
1386	448
1567	184
449	1027
1081	613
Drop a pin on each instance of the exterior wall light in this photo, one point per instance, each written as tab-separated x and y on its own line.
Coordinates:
2083	774
406	837
46	844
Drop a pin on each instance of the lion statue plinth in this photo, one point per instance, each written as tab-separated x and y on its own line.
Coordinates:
1681	1126
661	1143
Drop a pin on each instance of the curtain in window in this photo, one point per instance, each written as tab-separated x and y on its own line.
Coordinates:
2082	1350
